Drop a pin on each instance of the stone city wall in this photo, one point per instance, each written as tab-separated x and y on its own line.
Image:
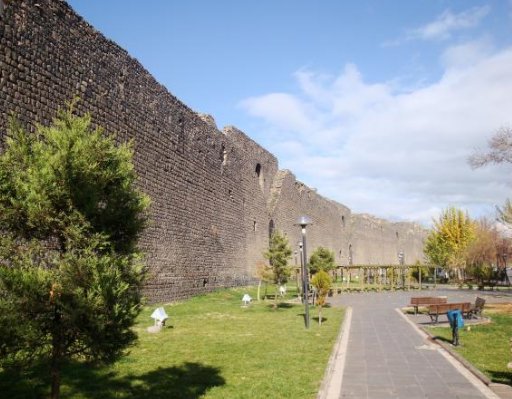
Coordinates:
215	194
378	242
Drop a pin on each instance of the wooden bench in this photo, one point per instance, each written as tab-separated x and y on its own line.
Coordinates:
442	308
476	309
425	301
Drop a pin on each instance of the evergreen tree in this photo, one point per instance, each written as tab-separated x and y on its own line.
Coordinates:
321	259
278	255
70	271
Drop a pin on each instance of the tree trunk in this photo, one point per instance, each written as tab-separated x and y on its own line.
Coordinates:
56	353
55	366
320	315
275	296
55	372
259	288
458	271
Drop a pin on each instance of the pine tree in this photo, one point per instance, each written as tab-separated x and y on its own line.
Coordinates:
70	270
321	259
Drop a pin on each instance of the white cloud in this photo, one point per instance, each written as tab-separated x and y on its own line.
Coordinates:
396	154
346	94
446	23
467	54
444	26
282	110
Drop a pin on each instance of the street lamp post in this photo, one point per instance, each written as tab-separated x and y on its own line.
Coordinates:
301	272
502	274
297	272
303	222
350	262
401	263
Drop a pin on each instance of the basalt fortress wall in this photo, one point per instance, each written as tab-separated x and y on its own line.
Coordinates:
216	195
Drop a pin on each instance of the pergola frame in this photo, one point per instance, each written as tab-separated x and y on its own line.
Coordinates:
393	276
384	276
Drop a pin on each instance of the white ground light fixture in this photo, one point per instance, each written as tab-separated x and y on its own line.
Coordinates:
159	316
246	299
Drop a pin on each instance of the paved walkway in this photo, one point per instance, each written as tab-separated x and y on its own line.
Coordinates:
387	357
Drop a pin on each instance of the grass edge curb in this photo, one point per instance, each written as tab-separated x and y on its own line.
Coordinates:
501	390
331	388
484	388
459	357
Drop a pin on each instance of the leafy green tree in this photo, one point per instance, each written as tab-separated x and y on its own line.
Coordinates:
322	283
448	240
70	270
278	255
321	259
417	271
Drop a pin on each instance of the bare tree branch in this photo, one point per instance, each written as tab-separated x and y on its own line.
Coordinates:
500	149
505	213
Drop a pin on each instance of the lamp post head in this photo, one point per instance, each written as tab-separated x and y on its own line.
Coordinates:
303	221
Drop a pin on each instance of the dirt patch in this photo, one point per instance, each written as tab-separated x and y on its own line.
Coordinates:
498	308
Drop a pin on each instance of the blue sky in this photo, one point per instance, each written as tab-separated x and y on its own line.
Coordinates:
377	104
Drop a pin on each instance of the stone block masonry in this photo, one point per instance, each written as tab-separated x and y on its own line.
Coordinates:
216	195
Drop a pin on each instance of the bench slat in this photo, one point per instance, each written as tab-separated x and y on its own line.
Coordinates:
436	309
426	300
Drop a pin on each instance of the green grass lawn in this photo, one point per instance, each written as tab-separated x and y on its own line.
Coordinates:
211	347
486	346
